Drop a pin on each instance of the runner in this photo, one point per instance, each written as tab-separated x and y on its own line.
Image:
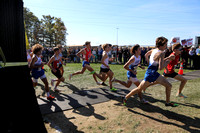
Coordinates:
105	69
55	67
131	67
151	75
37	71
85	54
61	56
169	71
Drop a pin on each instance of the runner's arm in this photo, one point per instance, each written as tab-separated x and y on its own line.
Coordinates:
147	56
162	63
139	65
80	53
49	63
126	66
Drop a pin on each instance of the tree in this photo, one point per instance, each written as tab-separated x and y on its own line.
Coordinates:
48	31
31	25
60	32
48	23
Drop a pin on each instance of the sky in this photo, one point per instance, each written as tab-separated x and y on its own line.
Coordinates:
122	22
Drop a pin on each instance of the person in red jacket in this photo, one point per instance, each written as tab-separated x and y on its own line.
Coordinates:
169	71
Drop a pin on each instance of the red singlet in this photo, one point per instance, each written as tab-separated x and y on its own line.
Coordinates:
171	65
88	54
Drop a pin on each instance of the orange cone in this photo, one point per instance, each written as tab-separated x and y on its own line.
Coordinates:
181	69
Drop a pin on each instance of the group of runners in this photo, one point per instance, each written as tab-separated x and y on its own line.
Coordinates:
156	60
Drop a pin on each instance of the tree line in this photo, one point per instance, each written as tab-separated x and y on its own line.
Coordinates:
49	31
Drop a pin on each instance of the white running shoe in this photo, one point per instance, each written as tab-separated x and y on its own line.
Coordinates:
99	83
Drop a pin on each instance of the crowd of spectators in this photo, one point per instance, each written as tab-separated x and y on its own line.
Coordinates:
191	55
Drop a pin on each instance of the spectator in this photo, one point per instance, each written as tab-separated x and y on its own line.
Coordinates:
100	51
94	52
197	58
143	52
185	55
125	54
120	52
191	56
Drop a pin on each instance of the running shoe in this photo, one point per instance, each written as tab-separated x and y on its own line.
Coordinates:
144	101
50	97
181	95
113	89
172	104
70	76
98	83
124	101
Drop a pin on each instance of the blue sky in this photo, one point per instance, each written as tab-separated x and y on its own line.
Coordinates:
139	21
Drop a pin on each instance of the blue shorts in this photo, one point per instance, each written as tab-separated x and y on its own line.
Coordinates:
38	74
84	63
130	74
151	74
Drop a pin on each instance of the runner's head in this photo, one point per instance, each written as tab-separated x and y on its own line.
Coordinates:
177	48
161	43
107	47
37	49
87	44
135	49
56	50
60	47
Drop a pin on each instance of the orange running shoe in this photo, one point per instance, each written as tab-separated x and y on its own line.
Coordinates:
50	97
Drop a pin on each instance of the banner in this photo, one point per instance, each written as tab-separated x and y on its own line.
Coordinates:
187	42
175	40
26	38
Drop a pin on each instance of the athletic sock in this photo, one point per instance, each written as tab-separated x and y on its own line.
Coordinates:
92	72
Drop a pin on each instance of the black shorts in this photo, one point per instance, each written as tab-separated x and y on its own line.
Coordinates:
105	70
57	73
172	75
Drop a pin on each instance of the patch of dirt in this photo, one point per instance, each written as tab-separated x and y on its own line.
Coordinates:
111	117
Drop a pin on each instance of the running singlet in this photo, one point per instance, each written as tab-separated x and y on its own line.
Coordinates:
105	61
151	74
133	66
171	65
56	62
88	54
37	63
